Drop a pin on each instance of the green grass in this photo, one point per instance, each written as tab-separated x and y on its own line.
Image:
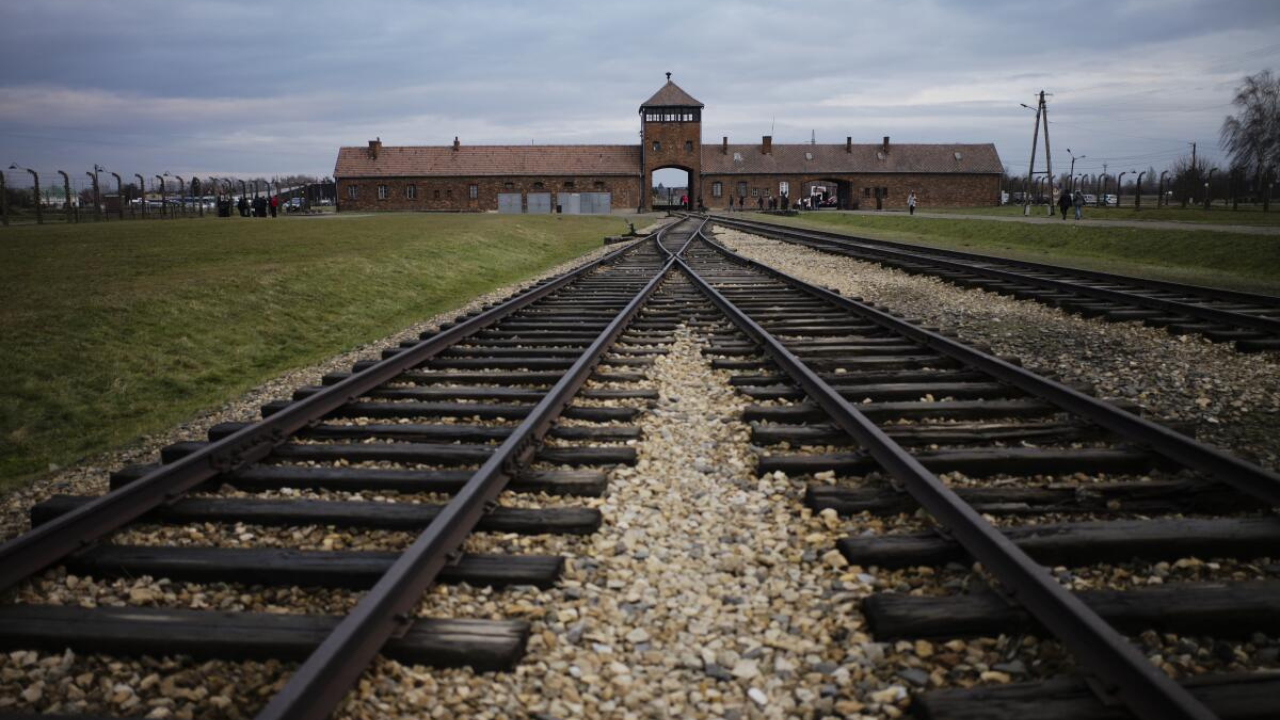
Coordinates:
1201	257
114	330
1219	215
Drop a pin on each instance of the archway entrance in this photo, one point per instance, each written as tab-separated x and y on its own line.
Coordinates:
668	185
826	194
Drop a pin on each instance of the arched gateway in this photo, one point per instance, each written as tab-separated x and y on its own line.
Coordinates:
532	178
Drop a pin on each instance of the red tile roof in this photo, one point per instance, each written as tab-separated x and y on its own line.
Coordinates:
809	159
671	95
488	160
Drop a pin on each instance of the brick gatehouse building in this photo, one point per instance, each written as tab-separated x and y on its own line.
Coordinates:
600	178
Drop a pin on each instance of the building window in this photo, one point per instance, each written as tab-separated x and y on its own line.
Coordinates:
537	186
599	184
382	192
448	193
784	188
688	146
866	192
473	191
657	146
737	157
717	189
568	184
435	194
755	192
884	192
351	192
742	189
410	192
509	186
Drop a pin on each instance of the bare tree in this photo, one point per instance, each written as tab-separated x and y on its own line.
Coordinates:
1252	135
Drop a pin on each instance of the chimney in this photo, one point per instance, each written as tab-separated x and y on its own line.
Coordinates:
724	149
457	144
375	147
885	147
848	144
766	143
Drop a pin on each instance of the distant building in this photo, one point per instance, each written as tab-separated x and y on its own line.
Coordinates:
600	178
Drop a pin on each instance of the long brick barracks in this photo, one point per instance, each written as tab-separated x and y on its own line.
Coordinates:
602	178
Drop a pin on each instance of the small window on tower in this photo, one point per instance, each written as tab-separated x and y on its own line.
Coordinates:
688	146
508	186
657	146
568	184
737	157
537	186
599	184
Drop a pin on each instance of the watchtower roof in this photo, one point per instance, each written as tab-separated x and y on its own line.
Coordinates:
671	95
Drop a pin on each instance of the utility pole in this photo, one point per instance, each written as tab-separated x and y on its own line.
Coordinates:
1195	173
1048	156
1035	139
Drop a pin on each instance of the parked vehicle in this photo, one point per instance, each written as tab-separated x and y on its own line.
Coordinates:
1110	200
1090	199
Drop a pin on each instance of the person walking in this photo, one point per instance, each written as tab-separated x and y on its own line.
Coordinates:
243	206
1077	201
1064	204
275	202
911	202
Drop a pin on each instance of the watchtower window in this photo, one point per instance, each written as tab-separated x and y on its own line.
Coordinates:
599	184
657	146
508	186
537	186
568	184
688	146
717	189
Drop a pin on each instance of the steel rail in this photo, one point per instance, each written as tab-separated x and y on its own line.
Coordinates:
320	683
1215	315
1242	475
1143	687
40	547
1205	290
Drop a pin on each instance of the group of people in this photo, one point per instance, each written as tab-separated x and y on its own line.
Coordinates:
762	203
260	207
1069	200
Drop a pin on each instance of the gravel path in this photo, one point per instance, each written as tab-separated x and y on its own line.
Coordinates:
1233	399
1038	217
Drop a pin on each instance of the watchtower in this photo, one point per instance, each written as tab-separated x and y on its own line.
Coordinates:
670	137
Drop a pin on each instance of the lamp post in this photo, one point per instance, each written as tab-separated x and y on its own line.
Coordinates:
1073	167
1120	186
1102	188
142	188
164	205
1137	198
182	194
119	196
97	208
1161	200
1208	179
36	179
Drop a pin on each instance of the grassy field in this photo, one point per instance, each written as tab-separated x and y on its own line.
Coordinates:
114	330
1219	215
1242	262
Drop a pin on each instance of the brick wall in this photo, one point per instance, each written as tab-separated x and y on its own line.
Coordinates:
932	190
453	194
672	151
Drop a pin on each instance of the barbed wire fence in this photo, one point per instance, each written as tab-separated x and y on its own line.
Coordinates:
98	194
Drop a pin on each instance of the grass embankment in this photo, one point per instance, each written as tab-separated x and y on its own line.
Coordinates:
1219	215
115	330
1201	257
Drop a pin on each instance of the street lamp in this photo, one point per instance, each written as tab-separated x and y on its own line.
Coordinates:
1207	180
97	193
1137	198
164	205
93	178
1101	188
1073	167
36	179
1160	199
66	194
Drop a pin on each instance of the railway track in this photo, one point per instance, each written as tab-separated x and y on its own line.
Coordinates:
472	429
1251	322
1018	473
442	432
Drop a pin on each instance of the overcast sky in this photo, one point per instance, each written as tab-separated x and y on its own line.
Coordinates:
224	87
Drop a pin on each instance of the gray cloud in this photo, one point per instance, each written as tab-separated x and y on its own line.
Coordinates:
226	86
